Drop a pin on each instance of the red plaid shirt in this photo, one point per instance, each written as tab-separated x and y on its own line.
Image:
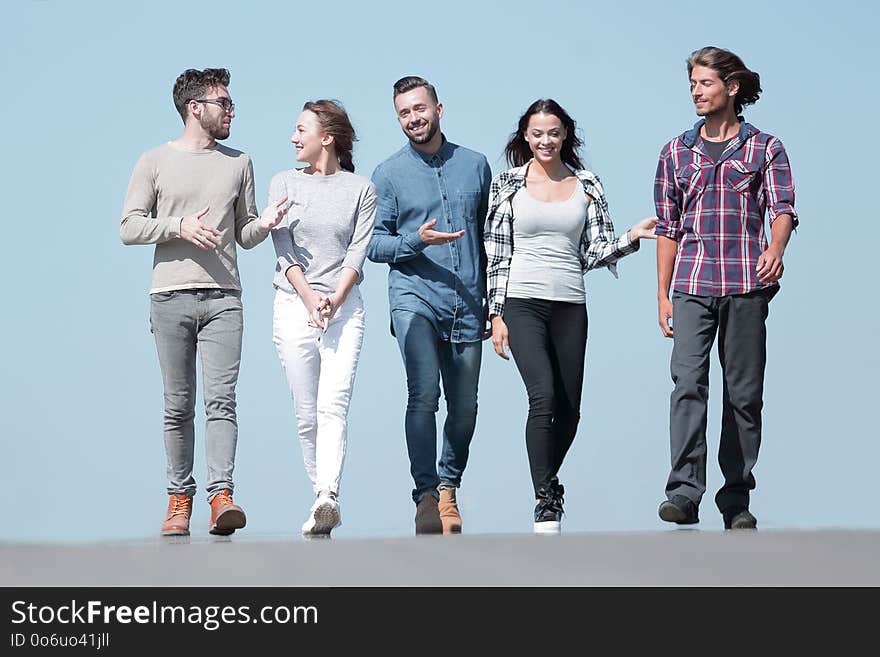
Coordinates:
715	210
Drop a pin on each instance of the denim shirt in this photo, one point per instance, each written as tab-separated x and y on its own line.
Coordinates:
445	283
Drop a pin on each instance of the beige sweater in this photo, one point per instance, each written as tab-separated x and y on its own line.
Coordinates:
169	183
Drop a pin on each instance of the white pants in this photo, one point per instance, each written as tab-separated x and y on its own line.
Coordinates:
320	368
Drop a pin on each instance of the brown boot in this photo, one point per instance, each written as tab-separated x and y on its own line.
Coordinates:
427	516
226	517
177	519
449	515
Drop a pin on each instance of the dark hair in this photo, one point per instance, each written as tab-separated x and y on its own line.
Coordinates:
410	82
192	84
335	122
730	68
518	151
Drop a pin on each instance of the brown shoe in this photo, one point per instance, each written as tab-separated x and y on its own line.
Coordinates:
226	517
179	511
449	515
428	516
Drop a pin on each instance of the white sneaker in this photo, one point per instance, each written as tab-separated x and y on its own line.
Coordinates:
324	516
548	527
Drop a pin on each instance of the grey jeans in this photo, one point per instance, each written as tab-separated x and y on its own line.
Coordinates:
739	321
207	322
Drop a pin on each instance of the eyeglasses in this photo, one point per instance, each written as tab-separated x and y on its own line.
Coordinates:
226	104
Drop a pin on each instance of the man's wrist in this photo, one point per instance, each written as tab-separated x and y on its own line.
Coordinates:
416	242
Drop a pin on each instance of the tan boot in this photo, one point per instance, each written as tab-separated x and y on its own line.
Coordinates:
226	516
179	512
449	515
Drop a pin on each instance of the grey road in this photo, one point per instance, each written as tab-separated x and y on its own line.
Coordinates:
669	558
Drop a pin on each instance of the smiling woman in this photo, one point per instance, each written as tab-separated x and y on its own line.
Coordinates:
555	212
318	324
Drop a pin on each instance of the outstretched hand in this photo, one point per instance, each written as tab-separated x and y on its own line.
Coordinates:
273	214
644	229
430	236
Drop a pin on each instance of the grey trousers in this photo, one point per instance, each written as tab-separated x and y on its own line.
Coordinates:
739	321
207	322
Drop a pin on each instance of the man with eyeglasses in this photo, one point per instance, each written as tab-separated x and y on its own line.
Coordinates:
194	199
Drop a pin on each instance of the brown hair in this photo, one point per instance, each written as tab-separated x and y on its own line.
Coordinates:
411	82
192	84
335	122
730	68
518	151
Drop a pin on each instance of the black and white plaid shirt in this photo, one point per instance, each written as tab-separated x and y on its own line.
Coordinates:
599	247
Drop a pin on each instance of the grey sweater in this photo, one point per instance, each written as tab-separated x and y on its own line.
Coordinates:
169	183
328	226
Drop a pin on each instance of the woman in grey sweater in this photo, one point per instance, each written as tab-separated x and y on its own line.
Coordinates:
318	324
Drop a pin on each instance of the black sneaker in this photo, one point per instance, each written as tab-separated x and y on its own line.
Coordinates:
739	518
680	510
548	510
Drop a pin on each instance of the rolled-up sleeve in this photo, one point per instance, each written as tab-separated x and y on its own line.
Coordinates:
600	247
778	182
667	199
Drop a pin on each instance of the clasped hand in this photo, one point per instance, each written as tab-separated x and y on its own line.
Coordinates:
321	308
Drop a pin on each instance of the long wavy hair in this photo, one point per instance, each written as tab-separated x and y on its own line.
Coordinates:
335	122
730	68
518	151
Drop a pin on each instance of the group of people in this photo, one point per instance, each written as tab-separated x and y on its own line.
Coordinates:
471	257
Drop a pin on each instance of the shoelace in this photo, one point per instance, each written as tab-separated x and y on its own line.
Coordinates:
224	499
180	506
552	503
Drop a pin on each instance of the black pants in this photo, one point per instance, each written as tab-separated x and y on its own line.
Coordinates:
548	340
739	321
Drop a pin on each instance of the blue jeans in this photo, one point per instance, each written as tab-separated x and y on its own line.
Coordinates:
426	359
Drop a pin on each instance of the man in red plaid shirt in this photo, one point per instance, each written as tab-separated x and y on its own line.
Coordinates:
713	187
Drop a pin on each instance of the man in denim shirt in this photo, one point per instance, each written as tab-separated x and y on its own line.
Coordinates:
432	198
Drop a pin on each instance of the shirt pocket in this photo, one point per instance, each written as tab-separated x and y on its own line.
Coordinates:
469	206
741	176
687	177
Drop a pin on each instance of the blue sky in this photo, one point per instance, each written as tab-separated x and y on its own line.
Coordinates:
88	88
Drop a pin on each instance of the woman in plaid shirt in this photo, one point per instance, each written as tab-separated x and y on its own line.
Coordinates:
555	212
